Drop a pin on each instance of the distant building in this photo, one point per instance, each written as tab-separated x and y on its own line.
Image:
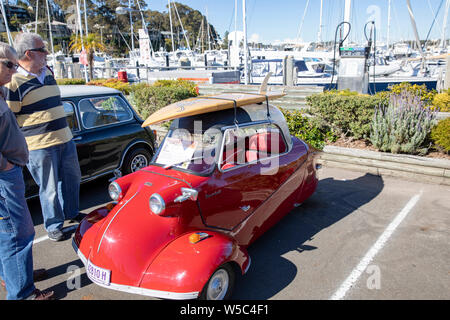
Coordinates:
14	12
59	29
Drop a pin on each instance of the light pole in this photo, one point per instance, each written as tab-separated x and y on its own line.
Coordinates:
97	26
123	10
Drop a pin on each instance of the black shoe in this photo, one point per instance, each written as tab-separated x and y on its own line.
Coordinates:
41	295
56	235
77	218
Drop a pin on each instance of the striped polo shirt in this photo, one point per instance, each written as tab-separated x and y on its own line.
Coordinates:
36	102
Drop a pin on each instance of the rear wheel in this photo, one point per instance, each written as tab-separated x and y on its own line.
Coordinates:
220	285
136	159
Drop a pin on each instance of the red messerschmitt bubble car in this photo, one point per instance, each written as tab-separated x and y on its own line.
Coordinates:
227	170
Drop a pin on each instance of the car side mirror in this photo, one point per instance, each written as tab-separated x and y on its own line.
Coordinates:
187	193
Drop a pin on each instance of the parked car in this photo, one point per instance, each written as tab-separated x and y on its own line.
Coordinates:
107	132
180	227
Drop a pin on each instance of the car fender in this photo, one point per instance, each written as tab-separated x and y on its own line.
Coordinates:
183	266
130	146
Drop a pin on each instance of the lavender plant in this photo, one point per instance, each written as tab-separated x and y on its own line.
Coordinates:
403	126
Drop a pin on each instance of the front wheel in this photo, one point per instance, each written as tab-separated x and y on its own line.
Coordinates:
220	285
135	160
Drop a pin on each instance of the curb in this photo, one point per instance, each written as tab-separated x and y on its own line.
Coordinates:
408	167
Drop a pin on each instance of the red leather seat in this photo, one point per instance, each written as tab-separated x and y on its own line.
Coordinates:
264	144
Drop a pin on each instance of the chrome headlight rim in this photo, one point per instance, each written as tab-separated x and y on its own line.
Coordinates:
161	205
114	190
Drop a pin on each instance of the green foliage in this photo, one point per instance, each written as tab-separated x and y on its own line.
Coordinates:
305	128
440	135
441	101
62	82
403	126
124	87
345	113
147	99
189	85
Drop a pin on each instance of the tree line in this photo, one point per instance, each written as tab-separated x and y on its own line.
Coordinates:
114	28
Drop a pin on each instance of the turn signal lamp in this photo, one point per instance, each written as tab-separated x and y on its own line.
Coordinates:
197	237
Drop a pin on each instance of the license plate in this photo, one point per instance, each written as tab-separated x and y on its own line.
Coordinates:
97	274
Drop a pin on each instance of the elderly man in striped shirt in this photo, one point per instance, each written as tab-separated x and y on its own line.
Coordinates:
35	99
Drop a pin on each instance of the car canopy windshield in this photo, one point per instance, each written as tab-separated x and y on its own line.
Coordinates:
193	143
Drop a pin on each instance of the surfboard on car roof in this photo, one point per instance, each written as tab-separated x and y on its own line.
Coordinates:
211	103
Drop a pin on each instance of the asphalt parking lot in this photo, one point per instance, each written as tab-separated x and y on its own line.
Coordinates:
359	236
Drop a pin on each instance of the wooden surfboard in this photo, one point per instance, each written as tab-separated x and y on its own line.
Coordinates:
210	103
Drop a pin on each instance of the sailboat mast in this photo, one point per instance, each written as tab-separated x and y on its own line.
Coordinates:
6	23
444	28
244	14
388	25
50	32
235	23
208	30
416	34
347	13
80	25
85	17
301	23
171	28
37	16
319	36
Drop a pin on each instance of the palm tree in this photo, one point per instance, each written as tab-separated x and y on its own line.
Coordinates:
91	43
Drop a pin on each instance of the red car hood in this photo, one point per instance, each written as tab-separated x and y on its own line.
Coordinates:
131	236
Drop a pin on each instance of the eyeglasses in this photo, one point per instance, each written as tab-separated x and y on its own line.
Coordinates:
10	65
43	50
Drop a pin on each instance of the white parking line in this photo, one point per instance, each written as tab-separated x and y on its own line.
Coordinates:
43	238
379	244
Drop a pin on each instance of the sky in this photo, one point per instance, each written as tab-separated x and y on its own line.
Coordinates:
275	21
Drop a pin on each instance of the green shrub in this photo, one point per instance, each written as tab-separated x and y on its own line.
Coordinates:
63	82
305	129
124	87
147	99
440	135
189	85
403	126
441	101
345	113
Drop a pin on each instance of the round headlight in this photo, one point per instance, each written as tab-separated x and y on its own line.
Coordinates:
157	204
114	191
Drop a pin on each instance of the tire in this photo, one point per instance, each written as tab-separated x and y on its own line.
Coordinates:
136	159
221	284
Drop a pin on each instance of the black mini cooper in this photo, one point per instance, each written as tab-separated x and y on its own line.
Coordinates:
107	132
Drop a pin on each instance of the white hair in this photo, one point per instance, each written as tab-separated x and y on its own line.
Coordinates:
25	41
7	52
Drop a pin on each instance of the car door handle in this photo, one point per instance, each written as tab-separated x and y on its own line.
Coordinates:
77	138
245	208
